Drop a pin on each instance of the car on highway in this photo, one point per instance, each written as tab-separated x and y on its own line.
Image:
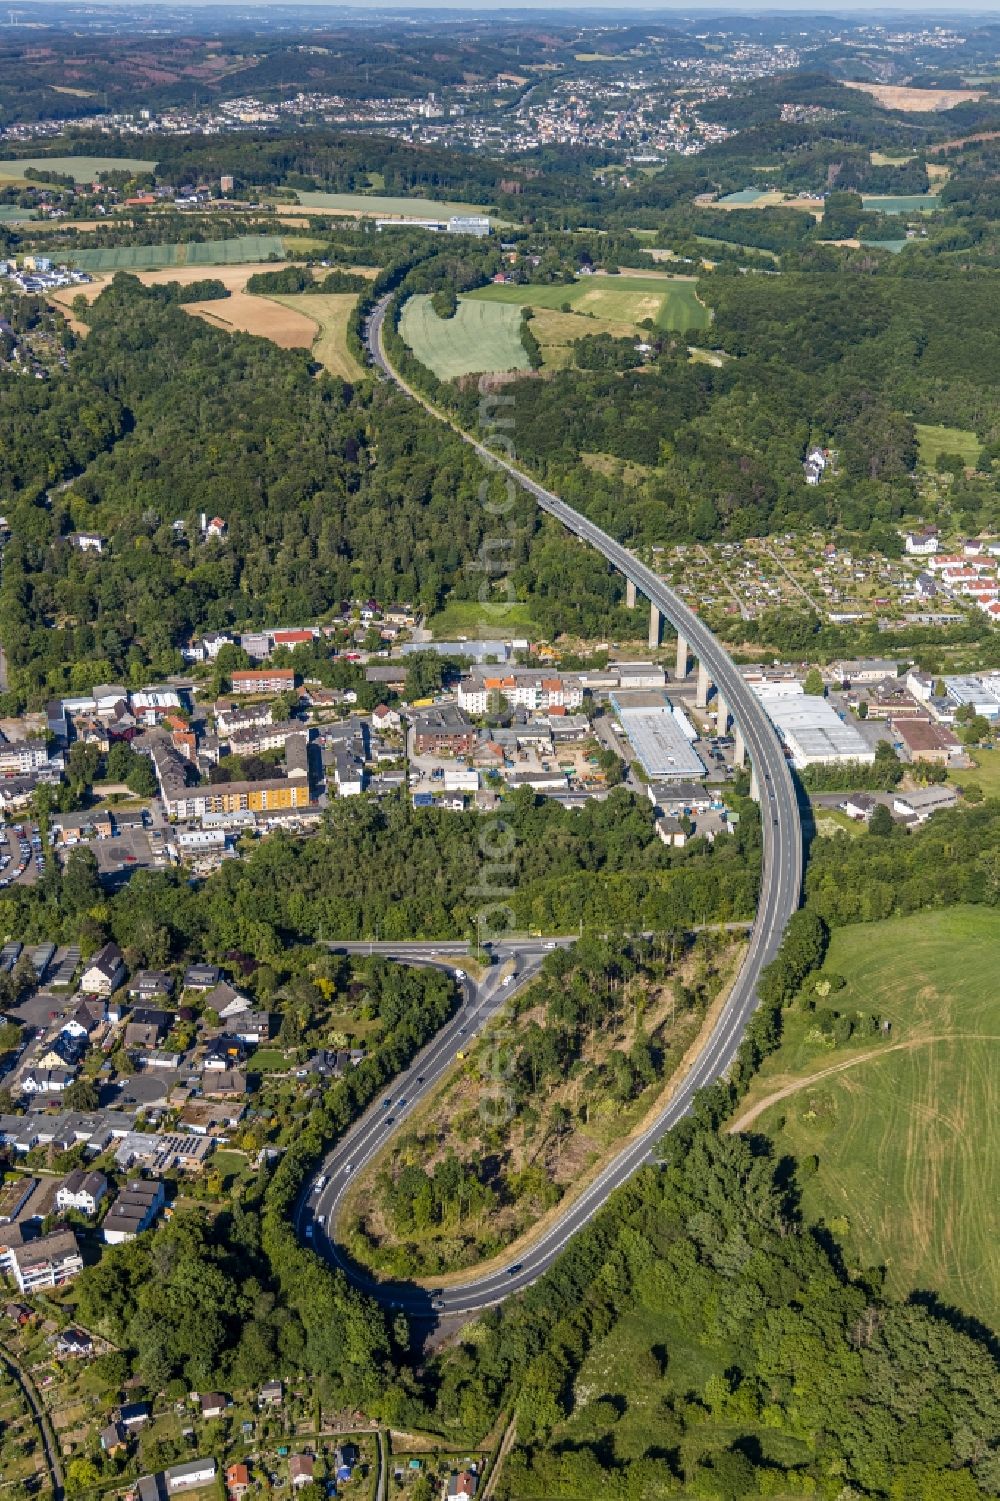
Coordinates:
549	945
514	1268
348	1168
460	974
508	980
309	1232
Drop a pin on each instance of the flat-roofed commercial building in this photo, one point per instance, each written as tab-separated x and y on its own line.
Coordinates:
657	736
812	730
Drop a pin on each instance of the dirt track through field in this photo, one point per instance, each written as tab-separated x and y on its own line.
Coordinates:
742	1122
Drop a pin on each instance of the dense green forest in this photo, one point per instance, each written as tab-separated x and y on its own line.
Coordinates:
846	361
603	866
329	493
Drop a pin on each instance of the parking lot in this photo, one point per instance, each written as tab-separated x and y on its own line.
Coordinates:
119	857
21	857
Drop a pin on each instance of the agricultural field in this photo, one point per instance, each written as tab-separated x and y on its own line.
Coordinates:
906	1129
241	312
933	441
556	333
671	301
920	101
760	198
11	214
378	205
242	250
80	168
901	203
482	337
328	313
234	278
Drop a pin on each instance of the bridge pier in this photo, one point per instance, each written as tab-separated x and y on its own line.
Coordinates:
681	670
655	625
629	594
704	683
721	715
754	785
739	748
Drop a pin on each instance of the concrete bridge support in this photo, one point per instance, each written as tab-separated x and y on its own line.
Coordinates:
655	626
721	715
704	683
681	670
754	785
629	595
739	748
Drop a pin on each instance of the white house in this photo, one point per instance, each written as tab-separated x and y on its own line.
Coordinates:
921	544
105	972
82	1191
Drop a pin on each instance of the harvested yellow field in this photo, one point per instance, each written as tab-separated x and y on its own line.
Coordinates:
243	313
330	311
919	101
234	278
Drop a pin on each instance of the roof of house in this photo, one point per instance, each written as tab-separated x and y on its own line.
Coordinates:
108	961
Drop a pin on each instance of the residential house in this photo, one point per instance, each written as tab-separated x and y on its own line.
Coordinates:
50	1261
82	1191
301	1468
253	1027
114	1438
150	985
38	1081
105	971
85	1020
76	1343
226	1084
213	1404
147	1026
134	1210
224	1054
226	1001
63	1051
860	806
272	1394
264	680
465	1483
443	730
201	977
237	1481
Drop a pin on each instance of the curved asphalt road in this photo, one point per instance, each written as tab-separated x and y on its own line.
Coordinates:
781	879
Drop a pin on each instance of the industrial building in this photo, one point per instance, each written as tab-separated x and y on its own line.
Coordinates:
657	735
812	730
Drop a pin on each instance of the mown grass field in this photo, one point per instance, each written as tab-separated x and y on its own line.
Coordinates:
467	617
80	168
908	1134
671	302
932	441
985	773
331	312
482	337
241	250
